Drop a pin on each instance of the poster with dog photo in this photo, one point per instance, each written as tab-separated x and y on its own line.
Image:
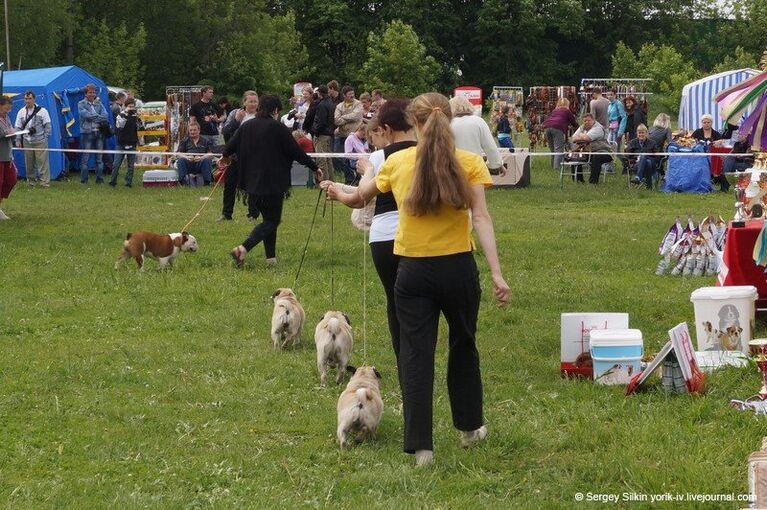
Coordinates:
680	345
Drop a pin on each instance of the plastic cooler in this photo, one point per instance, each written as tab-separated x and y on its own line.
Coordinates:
724	317
616	354
575	333
160	178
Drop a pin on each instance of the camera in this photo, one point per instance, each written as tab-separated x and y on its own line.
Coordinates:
32	131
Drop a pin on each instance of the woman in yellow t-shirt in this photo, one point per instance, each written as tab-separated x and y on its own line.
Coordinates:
435	187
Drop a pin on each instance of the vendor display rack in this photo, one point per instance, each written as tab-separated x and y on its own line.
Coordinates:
541	100
179	100
154	116
624	87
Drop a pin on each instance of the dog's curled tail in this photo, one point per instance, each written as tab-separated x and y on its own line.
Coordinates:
358	412
363	395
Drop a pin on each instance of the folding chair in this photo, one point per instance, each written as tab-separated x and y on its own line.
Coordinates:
574	169
604	173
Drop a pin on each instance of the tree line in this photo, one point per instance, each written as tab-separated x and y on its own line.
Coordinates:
400	46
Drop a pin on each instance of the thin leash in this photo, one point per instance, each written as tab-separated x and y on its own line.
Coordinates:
216	182
306	245
364	293
332	259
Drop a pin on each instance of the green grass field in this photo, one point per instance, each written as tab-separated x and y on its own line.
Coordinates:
161	389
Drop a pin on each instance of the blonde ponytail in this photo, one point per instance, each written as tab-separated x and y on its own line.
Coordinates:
439	177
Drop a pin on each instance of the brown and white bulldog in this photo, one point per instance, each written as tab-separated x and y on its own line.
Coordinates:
162	247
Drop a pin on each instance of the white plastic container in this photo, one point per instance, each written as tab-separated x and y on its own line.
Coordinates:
160	178
616	354
724	317
574	335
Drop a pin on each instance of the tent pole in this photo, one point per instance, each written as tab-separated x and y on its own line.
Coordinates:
7	37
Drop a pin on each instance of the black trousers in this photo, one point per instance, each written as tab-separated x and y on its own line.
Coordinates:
424	288
386	263
266	231
597	160
230	193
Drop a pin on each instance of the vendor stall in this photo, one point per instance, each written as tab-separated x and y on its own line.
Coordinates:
543	99
179	101
698	97
638	88
738	266
513	97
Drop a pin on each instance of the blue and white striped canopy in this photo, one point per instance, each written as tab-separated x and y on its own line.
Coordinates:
698	97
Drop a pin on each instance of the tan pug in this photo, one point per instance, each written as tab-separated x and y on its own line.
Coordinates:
333	338
360	406
287	319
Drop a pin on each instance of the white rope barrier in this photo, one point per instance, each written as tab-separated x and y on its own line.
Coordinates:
360	156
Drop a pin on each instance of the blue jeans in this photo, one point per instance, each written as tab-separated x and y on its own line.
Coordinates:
505	142
645	170
204	167
343	164
91	141
119	161
734	165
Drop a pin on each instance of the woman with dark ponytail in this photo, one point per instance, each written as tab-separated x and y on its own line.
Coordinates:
437	187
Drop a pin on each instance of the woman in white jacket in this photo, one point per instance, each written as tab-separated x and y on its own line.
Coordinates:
472	133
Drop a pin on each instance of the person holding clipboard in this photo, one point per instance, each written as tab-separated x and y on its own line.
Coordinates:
35	122
7	168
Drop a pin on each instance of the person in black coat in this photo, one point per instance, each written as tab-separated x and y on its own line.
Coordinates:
706	133
635	116
265	151
236	118
310	113
322	128
128	125
741	146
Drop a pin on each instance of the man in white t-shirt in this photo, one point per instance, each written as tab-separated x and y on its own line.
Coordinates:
35	119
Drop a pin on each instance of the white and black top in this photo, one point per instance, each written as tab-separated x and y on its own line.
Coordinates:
383	227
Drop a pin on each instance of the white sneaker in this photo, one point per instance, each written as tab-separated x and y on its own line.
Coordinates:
424	458
469	439
272	262
3	216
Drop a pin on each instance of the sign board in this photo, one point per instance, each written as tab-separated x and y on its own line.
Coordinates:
473	94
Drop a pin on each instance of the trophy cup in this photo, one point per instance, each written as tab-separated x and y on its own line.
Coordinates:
758	348
740	203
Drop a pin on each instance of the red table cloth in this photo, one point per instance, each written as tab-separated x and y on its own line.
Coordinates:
717	162
738	262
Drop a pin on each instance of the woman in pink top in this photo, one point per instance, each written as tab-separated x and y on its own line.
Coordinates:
356	143
555	128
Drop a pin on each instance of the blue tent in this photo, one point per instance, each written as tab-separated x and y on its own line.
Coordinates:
58	90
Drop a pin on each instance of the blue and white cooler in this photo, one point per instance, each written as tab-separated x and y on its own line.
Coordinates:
616	354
